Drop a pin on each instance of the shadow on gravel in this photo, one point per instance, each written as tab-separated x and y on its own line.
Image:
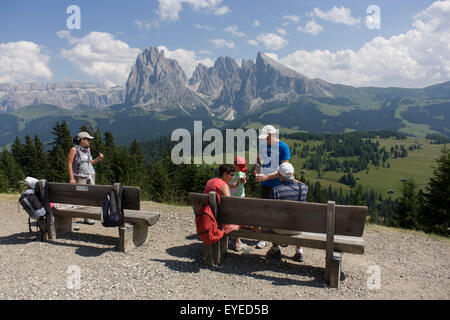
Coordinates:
83	250
87	250
19	238
246	264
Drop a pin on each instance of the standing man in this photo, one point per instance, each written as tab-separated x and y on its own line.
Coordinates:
272	153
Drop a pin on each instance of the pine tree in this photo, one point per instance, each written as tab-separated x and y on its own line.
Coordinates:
355	198
12	170
406	209
435	209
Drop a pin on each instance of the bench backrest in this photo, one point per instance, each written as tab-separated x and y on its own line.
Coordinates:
91	195
286	214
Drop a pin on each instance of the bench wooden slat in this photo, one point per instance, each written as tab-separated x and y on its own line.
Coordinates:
90	195
345	244
131	216
285	214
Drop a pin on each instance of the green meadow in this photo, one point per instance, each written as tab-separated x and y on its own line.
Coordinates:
417	165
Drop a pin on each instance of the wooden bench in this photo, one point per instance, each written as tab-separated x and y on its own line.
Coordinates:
87	201
330	227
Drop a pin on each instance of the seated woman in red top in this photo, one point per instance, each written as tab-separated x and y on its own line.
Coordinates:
220	185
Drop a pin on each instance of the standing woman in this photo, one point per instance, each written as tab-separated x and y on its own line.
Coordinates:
80	164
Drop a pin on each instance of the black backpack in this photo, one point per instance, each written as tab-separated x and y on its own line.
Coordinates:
32	205
36	205
112	211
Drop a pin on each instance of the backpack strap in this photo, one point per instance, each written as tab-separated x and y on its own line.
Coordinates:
118	192
214	204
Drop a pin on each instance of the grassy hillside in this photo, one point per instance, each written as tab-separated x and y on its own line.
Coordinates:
418	165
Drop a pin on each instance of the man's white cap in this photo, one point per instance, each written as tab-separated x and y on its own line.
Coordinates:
286	170
266	131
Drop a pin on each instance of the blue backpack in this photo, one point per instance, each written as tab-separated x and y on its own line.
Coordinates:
112	211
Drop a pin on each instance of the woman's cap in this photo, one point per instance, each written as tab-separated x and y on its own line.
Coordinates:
84	135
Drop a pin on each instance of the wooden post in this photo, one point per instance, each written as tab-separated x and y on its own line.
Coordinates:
63	225
223	245
331	218
335	271
213	252
49	219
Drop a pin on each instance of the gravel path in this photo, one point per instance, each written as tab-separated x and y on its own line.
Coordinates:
169	266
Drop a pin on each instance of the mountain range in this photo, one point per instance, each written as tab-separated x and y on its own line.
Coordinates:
159	97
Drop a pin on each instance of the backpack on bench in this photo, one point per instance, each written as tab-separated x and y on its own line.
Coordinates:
208	228
112	210
32	203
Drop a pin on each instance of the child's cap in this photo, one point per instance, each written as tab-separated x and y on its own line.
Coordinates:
241	163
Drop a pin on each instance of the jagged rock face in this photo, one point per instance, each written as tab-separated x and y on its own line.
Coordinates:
63	94
245	88
157	83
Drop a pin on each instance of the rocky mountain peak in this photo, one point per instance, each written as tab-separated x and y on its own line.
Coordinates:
157	83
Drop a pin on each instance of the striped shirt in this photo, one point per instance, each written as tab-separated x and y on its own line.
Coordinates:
289	190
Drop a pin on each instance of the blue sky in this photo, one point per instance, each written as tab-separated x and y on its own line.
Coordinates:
325	39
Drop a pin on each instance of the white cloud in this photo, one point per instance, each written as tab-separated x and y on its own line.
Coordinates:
187	59
169	9
311	27
234	30
256	23
338	15
101	56
417	58
252	42
147	25
203	27
23	61
292	18
205	52
272	41
281	31
221	11
273	56
222	43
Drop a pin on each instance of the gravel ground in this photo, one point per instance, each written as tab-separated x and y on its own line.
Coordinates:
411	265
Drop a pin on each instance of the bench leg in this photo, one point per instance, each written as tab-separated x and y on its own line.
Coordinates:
213	254
335	271
132	236
63	225
223	245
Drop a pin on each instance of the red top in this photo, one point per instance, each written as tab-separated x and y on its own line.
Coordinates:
214	185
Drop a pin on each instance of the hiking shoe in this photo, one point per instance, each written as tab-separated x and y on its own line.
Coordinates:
273	254
76	227
242	247
261	244
89	221
298	257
